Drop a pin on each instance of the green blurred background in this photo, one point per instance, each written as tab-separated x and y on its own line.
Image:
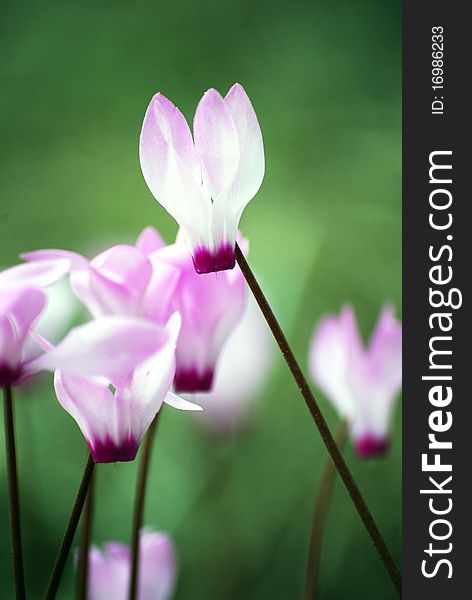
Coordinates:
325	80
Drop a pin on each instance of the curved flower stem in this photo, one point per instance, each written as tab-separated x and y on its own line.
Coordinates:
320	513
320	422
82	568
13	495
139	506
68	538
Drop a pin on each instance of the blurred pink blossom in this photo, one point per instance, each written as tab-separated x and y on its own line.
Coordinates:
21	303
110	569
362	383
206	181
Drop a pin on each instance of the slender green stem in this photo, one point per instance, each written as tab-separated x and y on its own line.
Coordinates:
87	518
68	538
320	422
13	495
325	491
139	506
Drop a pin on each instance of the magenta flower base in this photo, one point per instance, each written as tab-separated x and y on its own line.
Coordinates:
190	381
206	261
109	451
9	376
369	446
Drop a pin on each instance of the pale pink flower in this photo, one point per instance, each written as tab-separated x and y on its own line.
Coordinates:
110	569
362	383
112	376
21	304
210	305
206	181
242	370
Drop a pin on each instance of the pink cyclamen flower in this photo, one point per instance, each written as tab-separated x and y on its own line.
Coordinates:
210	306
243	369
110	569
112	376
123	280
206	181
21	303
361	382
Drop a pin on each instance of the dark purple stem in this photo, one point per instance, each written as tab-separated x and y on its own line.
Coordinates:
325	491
320	422
13	495
139	506
82	568
68	538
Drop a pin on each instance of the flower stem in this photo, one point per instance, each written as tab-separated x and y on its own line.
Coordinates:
320	513
82	569
320	422
13	495
68	538
139	506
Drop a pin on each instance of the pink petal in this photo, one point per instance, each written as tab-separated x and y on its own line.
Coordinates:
141	398
158	567
114	425
216	141
335	347
92	405
37	275
210	306
19	308
111	347
385	349
251	167
246	358
171	167
124	264
149	241
164	125
109	570
118	278
377	383
156	301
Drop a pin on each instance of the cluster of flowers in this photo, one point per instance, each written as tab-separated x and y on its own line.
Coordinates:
157	330
161	318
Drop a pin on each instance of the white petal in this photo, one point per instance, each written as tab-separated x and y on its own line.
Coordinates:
177	402
251	167
216	141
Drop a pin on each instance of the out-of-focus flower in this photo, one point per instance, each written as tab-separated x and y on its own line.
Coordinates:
210	306
122	280
361	382
242	370
110	569
113	374
21	303
18	311
205	182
